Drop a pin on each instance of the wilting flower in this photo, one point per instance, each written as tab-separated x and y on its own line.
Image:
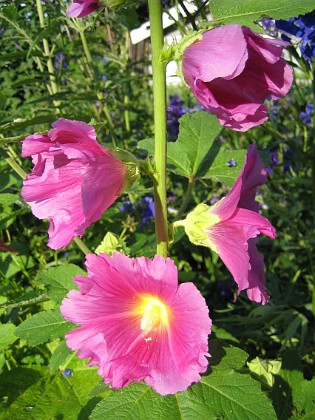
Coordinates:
230	228
137	324
81	8
74	179
232	70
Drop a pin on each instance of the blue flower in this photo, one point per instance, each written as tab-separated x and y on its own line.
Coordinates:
67	372
307	115
269	26
143	208
301	29
174	112
60	61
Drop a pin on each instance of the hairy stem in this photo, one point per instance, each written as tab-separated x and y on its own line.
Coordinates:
159	92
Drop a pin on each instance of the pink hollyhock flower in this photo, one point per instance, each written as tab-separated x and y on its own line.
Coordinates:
232	70
81	8
137	324
230	228
74	179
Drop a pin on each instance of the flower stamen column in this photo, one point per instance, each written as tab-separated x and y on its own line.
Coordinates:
159	93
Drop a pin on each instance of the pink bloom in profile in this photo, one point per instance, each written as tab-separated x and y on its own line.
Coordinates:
81	8
232	70
137	324
74	179
230	228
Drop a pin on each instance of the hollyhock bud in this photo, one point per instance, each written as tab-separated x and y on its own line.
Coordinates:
74	179
137	323
231	70
81	8
231	225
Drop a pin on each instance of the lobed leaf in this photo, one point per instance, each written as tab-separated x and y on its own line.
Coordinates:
197	153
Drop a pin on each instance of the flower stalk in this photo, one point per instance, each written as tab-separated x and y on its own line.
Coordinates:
159	92
53	85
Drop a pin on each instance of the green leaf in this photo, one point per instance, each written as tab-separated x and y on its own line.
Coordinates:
15	382
264	370
100	388
195	149
137	401
8	180
7	336
59	356
33	393
224	393
197	153
10	264
7	199
291	393
66	397
59	280
43	327
220	168
247	12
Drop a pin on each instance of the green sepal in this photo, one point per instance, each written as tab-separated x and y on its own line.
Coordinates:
132	165
196	224
109	244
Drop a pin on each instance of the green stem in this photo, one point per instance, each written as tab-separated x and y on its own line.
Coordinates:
16	167
159	93
85	46
126	113
50	66
81	245
38	299
186	198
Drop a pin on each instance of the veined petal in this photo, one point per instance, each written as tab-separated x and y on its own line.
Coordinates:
230	242
138	324
74	179
257	282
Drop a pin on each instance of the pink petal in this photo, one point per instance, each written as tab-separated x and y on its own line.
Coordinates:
232	70
227	44
257	282
231	245
252	223
168	357
81	8
74	179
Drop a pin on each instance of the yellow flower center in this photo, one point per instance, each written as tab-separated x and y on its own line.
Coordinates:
154	314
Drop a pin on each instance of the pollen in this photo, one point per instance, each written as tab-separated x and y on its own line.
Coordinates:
154	314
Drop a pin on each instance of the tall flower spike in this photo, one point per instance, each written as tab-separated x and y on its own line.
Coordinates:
74	179
231	70
230	228
137	324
